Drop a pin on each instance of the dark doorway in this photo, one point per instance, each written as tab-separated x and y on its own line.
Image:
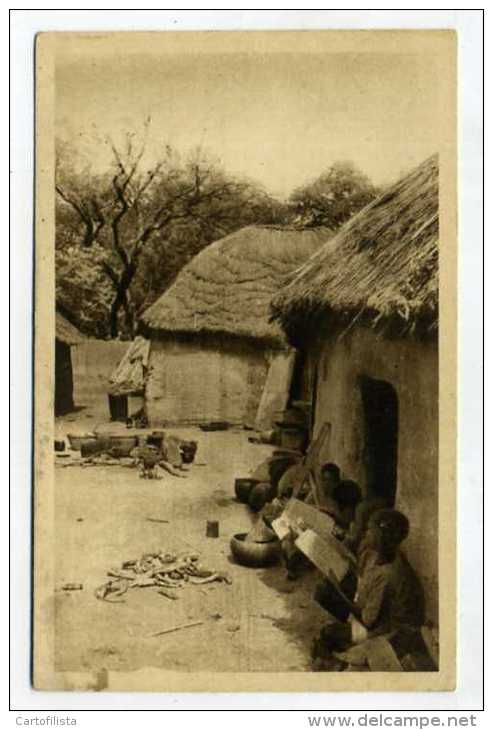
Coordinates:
297	390
64	382
303	389
380	407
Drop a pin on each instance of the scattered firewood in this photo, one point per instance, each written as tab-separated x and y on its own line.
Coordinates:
168	594
112	591
163	570
177	628
171	469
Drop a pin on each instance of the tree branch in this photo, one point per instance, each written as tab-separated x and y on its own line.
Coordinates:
91	231
110	273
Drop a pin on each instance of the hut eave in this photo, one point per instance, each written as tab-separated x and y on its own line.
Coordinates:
381	268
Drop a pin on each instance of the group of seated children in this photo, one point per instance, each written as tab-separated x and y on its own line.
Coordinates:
380	595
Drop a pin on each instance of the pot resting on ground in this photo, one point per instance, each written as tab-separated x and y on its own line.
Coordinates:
243	487
76	440
273	467
266	490
261	494
188	451
261	487
254	554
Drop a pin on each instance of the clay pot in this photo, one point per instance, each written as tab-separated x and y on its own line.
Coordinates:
92	448
188	451
156	439
260	495
254	554
260	533
243	487
121	445
76	440
212	528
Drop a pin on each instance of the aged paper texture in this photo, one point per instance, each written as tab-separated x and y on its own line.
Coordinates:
225	220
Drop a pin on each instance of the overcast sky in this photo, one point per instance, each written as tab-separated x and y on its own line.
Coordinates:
278	118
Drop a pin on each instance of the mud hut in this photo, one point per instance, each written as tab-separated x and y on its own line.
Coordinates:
212	344
364	309
66	336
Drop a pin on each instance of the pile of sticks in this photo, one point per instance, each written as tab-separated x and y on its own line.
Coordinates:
163	570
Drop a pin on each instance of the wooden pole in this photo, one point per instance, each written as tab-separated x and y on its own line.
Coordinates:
177	628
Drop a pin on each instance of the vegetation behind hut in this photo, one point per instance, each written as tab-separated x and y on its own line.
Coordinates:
333	197
124	234
381	268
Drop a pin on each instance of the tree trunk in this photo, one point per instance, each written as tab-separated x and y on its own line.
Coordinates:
121	299
129	317
115	308
121	302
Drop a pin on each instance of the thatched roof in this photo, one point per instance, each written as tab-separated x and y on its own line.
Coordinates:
227	288
66	332
380	269
128	378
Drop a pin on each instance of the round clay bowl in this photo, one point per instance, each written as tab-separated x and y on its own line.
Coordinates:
76	440
243	487
92	448
188	451
260	495
254	554
123	444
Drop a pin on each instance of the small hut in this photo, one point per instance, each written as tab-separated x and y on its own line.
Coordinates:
127	381
364	310
212	344
66	336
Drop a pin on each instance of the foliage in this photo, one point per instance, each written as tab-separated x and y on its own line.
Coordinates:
333	197
123	235
83	289
128	232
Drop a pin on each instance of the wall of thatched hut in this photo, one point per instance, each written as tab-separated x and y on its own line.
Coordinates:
364	308
66	336
204	379
93	363
405	374
212	343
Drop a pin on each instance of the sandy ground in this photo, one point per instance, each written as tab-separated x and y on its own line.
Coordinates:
265	622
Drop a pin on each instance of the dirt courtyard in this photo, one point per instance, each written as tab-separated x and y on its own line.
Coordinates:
107	515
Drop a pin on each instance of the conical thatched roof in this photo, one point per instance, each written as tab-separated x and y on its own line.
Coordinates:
66	332
380	269
227	288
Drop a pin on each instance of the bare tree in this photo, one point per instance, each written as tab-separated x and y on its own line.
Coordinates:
127	209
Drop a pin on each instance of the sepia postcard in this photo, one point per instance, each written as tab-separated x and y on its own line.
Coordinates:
245	361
